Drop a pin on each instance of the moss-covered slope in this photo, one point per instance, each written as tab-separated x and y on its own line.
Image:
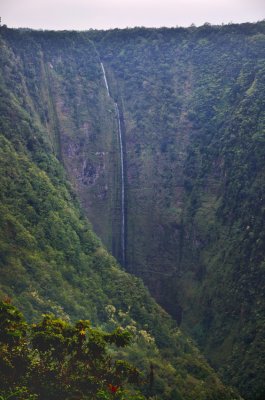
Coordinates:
193	103
192	108
50	258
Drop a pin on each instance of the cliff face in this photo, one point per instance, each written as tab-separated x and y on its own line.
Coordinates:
50	259
193	106
192	118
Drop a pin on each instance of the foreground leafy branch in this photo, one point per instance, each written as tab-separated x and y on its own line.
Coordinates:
57	360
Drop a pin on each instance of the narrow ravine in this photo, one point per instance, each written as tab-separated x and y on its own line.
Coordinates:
123	249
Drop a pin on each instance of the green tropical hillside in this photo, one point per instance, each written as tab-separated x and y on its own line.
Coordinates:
191	107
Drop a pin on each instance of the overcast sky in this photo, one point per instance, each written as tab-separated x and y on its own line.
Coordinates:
105	14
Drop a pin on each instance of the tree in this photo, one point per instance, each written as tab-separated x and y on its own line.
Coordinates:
57	360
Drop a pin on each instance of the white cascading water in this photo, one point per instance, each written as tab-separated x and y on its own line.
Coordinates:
105	78
122	171
122	187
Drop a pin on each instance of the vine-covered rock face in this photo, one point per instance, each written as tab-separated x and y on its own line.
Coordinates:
191	105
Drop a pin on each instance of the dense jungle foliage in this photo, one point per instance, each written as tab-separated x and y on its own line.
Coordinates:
56	360
51	261
194	110
192	115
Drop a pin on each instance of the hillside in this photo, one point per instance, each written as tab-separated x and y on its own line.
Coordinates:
51	261
191	105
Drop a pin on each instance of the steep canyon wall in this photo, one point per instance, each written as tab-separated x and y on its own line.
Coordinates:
191	105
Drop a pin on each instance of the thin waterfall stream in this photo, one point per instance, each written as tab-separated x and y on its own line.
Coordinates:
122	169
105	78
122	187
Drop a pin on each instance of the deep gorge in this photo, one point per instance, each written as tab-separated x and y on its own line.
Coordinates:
189	218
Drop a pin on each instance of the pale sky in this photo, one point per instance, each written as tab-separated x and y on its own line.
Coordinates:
105	14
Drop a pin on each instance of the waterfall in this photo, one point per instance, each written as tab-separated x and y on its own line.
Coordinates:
122	187
105	78
122	171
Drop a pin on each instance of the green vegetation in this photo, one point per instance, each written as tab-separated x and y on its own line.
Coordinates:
52	262
56	360
193	101
192	107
